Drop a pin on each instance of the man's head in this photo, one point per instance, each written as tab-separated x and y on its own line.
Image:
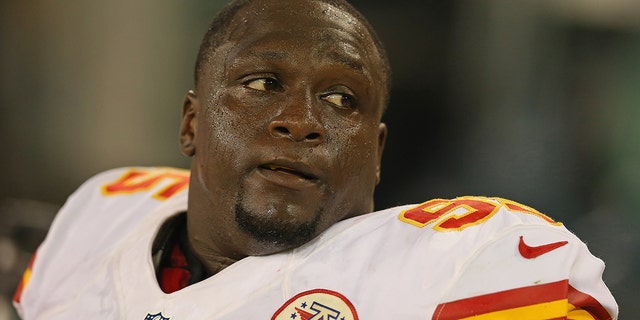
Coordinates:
283	126
219	31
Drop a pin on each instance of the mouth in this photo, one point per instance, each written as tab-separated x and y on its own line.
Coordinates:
299	171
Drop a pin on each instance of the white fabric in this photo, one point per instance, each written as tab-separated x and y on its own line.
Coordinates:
96	264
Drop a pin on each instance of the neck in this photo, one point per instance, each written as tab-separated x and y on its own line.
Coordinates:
216	264
212	261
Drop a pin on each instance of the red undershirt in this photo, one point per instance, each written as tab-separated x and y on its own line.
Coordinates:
175	275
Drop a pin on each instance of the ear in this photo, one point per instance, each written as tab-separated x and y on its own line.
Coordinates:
188	124
382	139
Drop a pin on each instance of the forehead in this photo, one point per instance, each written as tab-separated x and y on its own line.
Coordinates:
290	12
298	27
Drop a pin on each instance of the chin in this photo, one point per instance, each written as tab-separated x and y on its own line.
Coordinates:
271	233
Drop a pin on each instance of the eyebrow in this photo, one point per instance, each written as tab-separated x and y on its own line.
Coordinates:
267	55
347	61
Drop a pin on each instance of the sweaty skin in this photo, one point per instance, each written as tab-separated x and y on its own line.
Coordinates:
285	131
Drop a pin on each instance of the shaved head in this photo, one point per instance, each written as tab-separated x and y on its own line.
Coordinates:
219	31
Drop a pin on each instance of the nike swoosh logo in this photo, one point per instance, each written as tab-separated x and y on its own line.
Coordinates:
530	252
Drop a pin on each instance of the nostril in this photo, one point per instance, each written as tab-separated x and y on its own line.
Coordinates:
282	130
295	131
313	136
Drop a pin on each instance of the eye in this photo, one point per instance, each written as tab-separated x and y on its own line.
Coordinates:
263	84
340	100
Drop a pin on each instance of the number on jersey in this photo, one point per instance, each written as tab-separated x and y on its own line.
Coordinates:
463	212
133	181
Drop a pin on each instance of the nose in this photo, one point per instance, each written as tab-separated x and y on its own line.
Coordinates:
299	123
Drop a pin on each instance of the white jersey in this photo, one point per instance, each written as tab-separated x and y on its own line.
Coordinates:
464	258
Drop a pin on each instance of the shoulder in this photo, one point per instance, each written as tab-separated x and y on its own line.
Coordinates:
457	217
93	223
469	225
121	188
102	211
462	213
110	197
453	229
111	202
160	183
500	247
117	198
449	233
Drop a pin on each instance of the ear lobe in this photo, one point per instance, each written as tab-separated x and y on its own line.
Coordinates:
188	124
382	139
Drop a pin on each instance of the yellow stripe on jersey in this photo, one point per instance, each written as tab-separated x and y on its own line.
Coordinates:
578	314
547	310
26	276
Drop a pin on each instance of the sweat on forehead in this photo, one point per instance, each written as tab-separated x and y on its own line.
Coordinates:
222	27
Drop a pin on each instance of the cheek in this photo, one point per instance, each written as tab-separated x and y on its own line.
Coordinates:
225	144
231	126
354	169
355	147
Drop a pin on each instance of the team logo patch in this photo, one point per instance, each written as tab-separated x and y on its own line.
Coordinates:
157	316
316	305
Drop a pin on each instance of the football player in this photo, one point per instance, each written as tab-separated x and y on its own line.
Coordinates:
275	217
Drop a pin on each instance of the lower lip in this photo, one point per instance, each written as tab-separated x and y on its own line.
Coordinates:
286	179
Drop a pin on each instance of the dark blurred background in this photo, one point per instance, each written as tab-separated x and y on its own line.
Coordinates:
533	100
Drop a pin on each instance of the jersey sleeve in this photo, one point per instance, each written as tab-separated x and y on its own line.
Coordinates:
527	267
90	223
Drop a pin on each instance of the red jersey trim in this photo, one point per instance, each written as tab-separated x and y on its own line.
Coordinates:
555	297
588	303
26	276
